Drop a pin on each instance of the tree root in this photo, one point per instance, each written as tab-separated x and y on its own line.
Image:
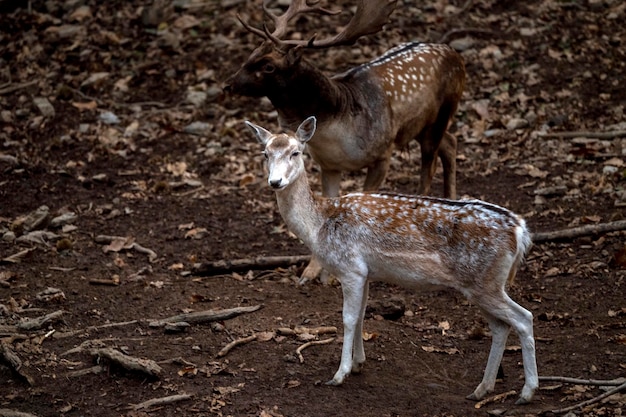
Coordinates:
161	401
131	363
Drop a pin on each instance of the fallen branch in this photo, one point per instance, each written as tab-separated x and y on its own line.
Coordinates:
311	343
162	401
15	87
495	398
16	258
584	134
222	266
286	331
591	401
62	335
10	358
599	382
235	343
131	363
575	232
205	316
39	322
5	412
97	369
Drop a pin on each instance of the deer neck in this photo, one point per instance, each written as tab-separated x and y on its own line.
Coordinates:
301	210
308	93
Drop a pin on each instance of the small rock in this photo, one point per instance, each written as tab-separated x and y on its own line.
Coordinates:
197	98
109	118
516	123
198	128
63	219
8	236
463	44
44	106
6	116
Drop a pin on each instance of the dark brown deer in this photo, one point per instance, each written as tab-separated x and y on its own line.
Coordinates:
410	92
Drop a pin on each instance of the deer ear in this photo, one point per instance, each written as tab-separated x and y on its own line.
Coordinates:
294	55
306	129
261	134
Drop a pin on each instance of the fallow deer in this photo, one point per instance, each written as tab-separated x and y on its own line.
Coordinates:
468	245
410	92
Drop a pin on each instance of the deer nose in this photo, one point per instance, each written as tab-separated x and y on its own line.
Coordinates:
275	183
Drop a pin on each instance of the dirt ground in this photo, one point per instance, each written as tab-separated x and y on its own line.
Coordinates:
112	117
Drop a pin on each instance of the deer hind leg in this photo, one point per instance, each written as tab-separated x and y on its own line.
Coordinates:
503	314
359	351
499	333
376	173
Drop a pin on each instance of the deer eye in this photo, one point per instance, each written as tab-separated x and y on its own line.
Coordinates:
295	153
265	155
268	68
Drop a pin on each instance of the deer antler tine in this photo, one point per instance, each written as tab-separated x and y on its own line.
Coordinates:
250	28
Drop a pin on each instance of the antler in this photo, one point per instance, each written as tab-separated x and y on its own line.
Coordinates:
370	17
280	22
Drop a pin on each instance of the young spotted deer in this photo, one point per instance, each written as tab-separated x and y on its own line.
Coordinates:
410	92
469	245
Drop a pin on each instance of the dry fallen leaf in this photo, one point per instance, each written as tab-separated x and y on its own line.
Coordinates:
434	349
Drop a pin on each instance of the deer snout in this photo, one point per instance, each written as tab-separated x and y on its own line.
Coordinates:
275	183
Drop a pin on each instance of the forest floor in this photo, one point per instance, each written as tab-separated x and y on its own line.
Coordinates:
123	166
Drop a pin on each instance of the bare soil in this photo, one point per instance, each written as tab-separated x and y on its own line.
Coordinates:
197	198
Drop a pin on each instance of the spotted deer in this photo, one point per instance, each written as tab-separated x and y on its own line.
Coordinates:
410	92
469	245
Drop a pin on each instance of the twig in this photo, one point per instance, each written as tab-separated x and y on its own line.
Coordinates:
221	266
234	344
579	231
567	380
131	363
162	401
584	134
39	322
464	31
300	330
97	369
15	87
205	316
10	358
16	258
495	398
591	401
88	329
311	343
5	412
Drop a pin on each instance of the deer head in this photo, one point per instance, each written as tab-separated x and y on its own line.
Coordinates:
276	60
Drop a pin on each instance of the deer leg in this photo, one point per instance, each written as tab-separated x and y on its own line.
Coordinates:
428	150
353	288
506	311
447	154
359	350
499	333
376	174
